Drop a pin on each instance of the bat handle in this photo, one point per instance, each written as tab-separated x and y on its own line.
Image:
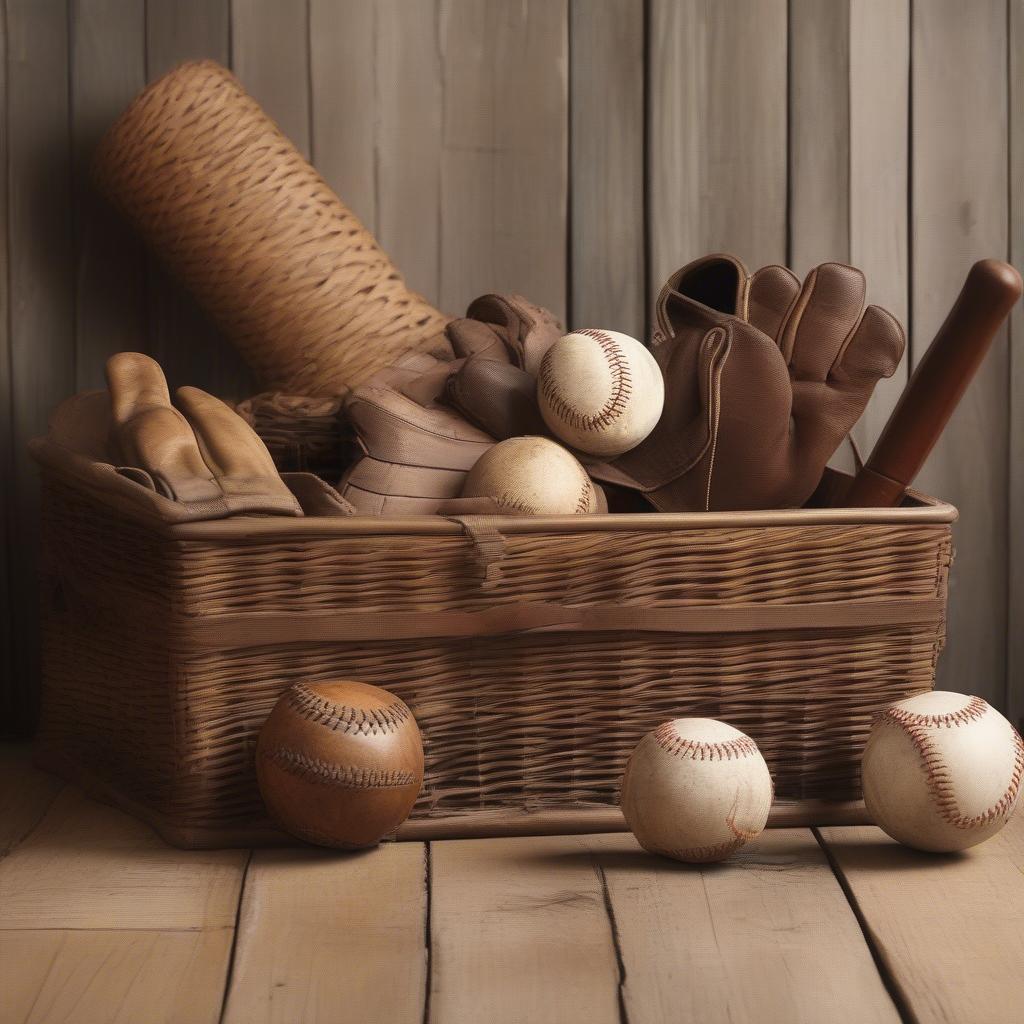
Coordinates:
937	385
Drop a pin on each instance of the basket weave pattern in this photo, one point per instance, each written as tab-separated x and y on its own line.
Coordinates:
151	688
285	268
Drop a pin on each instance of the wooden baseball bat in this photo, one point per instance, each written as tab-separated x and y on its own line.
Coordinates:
937	385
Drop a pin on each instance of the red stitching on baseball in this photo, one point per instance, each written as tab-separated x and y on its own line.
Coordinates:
511	503
936	771
345	776
974	710
613	408
341	718
697	750
583	501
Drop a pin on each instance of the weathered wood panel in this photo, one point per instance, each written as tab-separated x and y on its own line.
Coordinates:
329	937
717	160
108	69
9	692
819	133
608	262
99	920
849	68
186	30
89	866
722	924
407	169
113	977
181	336
504	160
948	928
507	909
342	72
960	214
270	55
41	281
879	176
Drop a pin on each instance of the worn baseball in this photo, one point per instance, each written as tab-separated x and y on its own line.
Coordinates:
532	476
942	771
696	790
600	391
339	764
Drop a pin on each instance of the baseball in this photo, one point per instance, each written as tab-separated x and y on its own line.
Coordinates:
532	476
600	391
339	764
696	790
942	771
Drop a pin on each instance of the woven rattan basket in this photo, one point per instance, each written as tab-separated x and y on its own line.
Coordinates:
534	652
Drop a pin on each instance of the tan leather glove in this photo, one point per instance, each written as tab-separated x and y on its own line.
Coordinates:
505	328
208	460
418	449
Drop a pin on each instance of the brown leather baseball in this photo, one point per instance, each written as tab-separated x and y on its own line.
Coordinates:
340	764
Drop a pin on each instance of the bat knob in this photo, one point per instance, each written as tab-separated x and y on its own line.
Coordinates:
997	281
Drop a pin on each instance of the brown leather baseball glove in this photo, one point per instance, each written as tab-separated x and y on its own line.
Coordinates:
763	379
417	447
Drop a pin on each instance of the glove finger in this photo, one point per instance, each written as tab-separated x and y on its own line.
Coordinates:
151	434
238	459
429	387
825	315
230	446
824	412
394	429
770	296
136	383
874	350
499	398
527	331
472	337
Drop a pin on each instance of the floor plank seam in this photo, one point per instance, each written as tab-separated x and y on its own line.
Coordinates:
613	924
427	930
885	972
229	975
9	929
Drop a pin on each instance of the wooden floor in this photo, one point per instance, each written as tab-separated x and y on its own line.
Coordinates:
100	921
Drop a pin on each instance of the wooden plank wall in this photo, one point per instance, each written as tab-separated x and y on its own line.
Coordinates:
574	150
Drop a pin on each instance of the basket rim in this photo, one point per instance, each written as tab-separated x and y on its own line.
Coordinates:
929	510
103	482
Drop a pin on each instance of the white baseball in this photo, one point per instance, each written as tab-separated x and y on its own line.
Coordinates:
942	771
600	391
696	790
532	476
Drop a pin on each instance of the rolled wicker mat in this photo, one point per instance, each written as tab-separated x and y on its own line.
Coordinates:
284	267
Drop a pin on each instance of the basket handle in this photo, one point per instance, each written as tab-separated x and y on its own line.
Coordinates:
488	544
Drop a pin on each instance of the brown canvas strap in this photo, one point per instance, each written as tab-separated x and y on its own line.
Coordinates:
258	629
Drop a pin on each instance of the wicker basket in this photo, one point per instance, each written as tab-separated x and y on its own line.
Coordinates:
534	652
309	435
